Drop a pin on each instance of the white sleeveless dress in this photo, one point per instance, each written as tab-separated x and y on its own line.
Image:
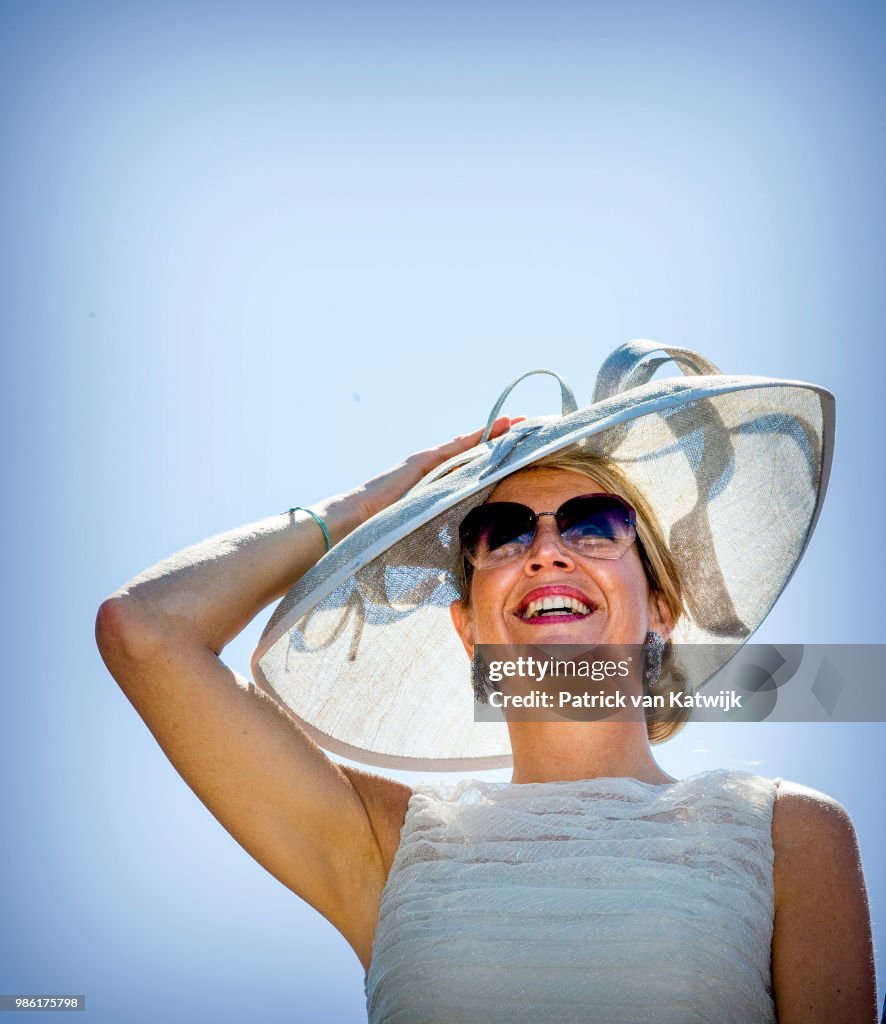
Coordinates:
603	901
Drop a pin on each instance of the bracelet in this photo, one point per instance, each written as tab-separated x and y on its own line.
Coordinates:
301	508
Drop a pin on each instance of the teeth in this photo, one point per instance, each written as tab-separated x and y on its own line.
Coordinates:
568	604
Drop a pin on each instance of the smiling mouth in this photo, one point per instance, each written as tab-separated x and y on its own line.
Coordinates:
556	609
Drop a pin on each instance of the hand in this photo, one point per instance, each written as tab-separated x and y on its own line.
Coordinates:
386	488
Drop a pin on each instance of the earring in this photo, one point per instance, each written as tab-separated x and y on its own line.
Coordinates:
482	686
653	650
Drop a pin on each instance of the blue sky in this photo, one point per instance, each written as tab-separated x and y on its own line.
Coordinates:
258	253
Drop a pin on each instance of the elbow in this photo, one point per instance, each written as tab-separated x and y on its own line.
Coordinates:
124	634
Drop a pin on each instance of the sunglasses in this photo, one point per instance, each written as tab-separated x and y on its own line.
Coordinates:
592	525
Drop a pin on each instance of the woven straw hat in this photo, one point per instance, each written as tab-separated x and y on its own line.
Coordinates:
362	650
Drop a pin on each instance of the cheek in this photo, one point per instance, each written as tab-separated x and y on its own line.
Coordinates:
483	615
489	589
628	588
486	611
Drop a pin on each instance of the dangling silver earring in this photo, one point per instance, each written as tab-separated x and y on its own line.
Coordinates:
653	650
482	686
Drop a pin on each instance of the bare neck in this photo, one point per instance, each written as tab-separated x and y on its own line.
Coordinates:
568	751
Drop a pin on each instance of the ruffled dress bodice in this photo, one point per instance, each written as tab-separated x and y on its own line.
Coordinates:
602	901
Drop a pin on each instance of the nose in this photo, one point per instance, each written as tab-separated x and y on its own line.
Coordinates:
548	547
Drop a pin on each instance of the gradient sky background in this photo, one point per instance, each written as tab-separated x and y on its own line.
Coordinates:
258	253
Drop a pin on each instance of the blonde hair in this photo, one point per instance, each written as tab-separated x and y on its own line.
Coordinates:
658	563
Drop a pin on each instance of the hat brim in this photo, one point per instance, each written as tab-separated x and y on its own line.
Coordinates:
362	651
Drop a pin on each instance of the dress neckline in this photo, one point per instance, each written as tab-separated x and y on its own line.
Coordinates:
453	790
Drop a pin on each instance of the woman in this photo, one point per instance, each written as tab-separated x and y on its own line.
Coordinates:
331	832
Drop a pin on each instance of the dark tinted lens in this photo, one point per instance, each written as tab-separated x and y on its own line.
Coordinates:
603	516
493	527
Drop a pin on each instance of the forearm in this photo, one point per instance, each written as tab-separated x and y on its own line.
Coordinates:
208	593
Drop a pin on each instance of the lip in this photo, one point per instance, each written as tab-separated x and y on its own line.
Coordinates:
550	591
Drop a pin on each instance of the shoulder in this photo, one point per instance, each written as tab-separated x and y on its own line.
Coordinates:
385	801
801	815
813	840
822	950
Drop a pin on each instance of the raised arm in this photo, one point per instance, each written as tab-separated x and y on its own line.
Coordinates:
325	831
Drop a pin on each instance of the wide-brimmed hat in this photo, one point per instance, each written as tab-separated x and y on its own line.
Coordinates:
362	650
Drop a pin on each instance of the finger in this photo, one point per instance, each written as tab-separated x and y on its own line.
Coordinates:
504	423
498	427
465	441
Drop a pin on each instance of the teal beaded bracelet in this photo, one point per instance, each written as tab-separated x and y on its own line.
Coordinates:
301	508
